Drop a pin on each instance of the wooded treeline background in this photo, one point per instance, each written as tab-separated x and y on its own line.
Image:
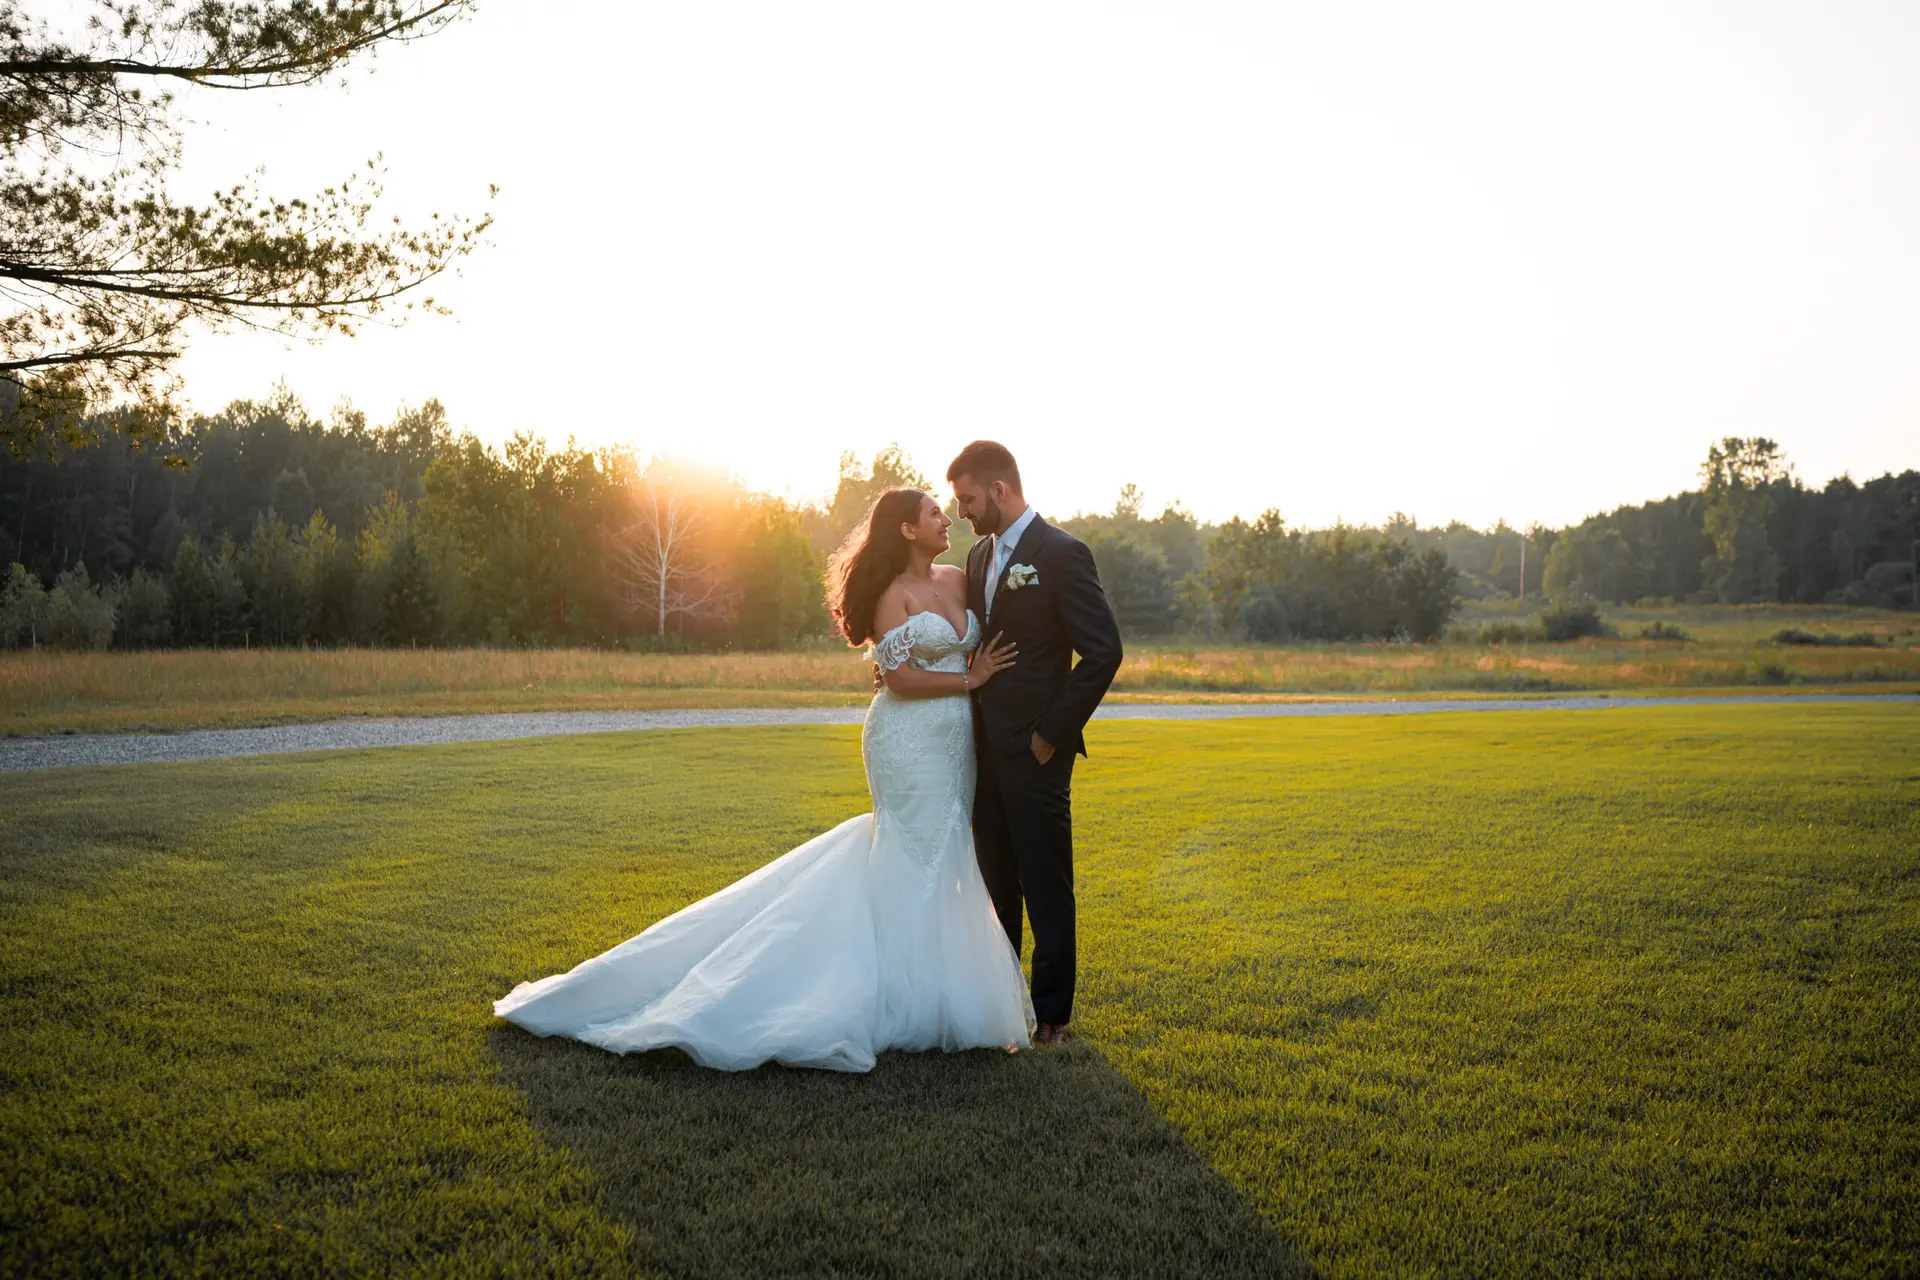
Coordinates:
279	528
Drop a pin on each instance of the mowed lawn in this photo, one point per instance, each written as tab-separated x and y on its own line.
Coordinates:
1625	993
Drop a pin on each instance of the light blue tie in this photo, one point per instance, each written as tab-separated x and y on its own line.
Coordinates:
993	578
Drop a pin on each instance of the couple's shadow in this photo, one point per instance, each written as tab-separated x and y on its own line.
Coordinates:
979	1164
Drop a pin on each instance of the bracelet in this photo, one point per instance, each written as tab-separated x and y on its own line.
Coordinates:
964	686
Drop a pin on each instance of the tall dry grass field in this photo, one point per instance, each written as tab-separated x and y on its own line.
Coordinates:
52	692
1584	665
1723	624
49	692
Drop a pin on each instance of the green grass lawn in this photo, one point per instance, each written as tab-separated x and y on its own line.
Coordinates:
1628	993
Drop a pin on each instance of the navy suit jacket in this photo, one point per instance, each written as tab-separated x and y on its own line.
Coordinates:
1063	612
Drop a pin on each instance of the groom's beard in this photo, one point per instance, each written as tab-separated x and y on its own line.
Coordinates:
987	523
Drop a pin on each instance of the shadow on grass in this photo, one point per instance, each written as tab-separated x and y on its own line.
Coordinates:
933	1165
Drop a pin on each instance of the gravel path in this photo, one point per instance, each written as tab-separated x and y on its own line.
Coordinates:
335	735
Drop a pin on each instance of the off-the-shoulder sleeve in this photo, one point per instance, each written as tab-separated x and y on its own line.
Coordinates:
891	650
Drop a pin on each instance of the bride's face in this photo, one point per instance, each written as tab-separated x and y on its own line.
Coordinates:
931	531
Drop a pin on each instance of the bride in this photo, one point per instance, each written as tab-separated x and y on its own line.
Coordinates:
876	935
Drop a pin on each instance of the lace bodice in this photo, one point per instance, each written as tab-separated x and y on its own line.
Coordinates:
927	640
919	751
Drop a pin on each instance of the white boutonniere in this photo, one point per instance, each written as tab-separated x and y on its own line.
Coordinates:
1021	575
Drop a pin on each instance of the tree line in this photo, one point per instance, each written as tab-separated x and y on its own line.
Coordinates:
1752	533
266	525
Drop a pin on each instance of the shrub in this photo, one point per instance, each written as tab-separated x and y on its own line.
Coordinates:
79	615
1793	635
1887	585
1506	633
1664	631
1574	622
1266	619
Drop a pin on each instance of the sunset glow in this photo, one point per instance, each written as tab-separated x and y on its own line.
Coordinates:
1481	262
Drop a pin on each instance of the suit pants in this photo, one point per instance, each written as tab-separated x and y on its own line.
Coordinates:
1023	836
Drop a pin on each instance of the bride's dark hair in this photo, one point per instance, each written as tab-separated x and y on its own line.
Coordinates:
872	556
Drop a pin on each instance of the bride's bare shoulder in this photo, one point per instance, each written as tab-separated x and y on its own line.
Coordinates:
947	574
891	609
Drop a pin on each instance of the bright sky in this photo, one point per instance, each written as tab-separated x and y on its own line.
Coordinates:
1467	261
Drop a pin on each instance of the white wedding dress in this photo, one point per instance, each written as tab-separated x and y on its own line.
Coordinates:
876	935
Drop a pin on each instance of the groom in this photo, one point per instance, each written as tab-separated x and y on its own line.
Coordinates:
1035	586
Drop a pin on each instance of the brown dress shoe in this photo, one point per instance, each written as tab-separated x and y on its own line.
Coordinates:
1047	1033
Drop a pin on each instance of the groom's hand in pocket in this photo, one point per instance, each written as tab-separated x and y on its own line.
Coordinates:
1042	749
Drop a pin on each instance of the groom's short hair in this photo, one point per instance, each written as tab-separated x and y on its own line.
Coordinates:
986	461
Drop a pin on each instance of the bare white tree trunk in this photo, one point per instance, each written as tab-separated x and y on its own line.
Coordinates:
657	561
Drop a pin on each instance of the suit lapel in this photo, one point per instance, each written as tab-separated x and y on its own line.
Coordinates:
1000	585
1030	539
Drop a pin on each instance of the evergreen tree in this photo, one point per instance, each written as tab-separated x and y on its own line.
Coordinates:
1740	474
410	608
270	571
232	624
146	610
192	592
328	572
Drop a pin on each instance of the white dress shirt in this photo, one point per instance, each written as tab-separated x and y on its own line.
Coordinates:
1004	545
